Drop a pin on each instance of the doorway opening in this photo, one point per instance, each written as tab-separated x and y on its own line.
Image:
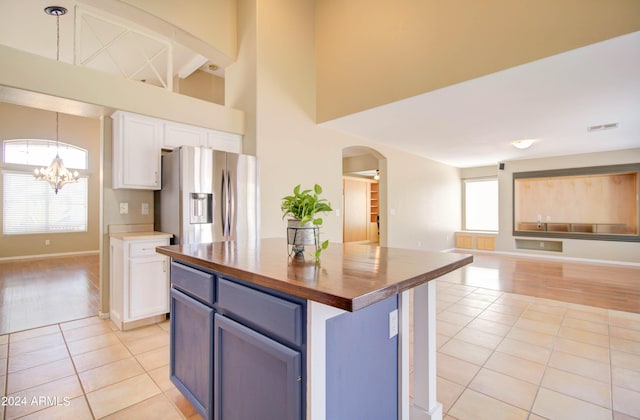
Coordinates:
364	183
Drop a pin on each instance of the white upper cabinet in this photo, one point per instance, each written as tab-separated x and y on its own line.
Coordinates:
137	142
176	135
227	142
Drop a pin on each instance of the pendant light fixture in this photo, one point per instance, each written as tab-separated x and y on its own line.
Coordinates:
56	173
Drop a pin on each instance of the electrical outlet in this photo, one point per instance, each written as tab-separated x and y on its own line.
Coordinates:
541	244
144	209
393	323
47	242
124	208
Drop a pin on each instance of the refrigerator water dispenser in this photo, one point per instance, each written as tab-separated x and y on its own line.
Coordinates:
201	210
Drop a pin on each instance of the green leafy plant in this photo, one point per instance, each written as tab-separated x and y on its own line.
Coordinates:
304	205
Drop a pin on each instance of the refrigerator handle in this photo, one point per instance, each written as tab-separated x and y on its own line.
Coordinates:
223	206
230	203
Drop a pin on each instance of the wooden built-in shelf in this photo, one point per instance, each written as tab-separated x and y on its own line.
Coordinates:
475	240
374	197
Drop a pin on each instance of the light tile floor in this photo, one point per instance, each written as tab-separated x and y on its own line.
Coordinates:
500	355
509	356
87	369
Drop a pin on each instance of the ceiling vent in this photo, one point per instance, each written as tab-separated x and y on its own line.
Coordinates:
602	127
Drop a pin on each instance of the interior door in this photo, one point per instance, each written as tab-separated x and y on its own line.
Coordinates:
356	207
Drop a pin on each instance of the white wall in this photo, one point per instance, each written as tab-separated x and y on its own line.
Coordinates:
574	248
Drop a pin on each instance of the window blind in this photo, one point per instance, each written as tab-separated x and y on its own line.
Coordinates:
31	206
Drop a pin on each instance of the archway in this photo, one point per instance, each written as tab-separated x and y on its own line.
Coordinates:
364	173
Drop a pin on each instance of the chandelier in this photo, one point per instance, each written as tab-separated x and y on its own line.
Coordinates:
56	173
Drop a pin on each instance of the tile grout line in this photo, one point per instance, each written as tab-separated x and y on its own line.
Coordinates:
610	364
493	352
546	365
3	412
565	316
75	370
452	303
145	372
466	387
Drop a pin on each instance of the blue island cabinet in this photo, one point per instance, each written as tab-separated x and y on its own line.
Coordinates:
256	377
237	351
259	335
191	337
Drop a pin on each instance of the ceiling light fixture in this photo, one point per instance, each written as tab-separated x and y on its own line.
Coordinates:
56	173
522	144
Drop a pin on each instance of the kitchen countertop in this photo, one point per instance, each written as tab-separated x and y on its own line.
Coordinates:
350	277
136	236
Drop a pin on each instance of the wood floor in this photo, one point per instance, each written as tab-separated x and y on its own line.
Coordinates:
35	293
601	285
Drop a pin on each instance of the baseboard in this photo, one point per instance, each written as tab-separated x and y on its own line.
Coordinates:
47	256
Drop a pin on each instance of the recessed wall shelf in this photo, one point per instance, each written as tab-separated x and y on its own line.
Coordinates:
539	245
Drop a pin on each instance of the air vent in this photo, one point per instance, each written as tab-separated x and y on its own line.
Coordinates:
602	127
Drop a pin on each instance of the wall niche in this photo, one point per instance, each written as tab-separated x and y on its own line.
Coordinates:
580	203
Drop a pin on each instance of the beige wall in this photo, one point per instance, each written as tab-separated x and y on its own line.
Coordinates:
241	76
575	248
18	122
359	163
422	197
213	21
201	85
375	52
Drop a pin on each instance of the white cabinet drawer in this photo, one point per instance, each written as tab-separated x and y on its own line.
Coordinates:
145	249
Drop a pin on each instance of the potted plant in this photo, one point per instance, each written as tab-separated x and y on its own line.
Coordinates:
304	224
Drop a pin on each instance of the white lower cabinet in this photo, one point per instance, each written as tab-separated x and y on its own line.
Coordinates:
139	282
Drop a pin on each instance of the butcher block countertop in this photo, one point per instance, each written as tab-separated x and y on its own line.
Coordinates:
349	277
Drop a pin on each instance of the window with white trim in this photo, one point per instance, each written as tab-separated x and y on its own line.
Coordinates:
31	206
481	204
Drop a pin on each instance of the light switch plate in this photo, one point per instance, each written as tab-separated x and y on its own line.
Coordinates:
393	323
124	208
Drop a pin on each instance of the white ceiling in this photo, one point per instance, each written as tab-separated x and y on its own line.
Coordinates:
552	100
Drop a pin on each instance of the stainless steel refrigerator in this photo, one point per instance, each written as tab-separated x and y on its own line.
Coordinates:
207	196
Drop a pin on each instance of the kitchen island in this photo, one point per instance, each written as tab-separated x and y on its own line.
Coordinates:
258	334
